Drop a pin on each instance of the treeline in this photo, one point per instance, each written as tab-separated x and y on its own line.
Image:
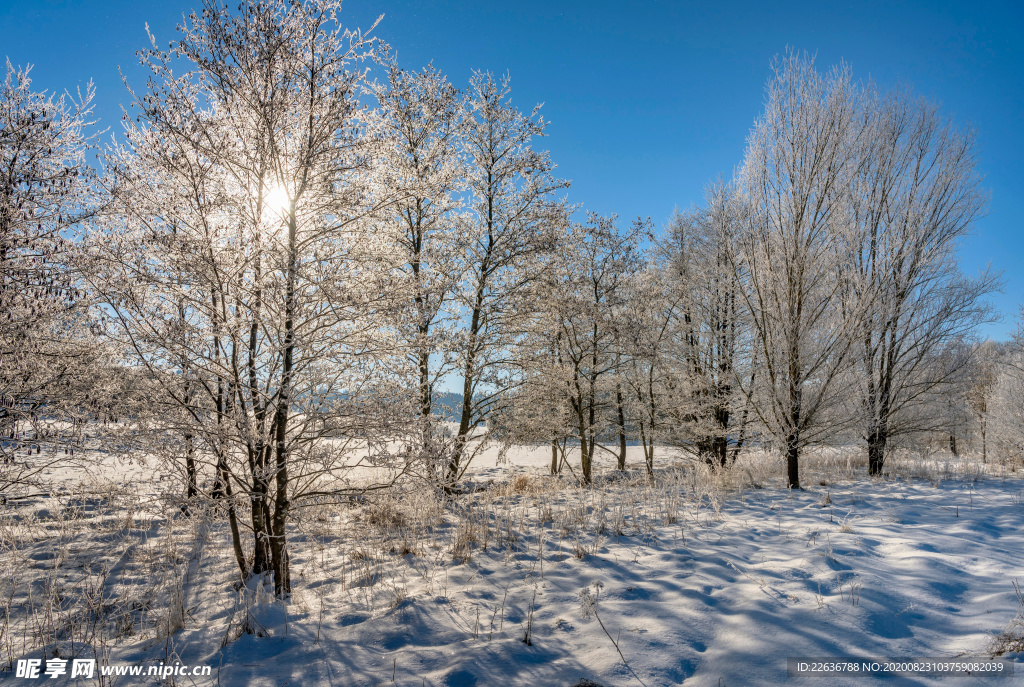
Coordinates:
813	299
295	243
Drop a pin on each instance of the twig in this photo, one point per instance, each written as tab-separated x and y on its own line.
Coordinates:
616	644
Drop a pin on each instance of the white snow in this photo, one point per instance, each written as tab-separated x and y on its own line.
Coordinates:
701	580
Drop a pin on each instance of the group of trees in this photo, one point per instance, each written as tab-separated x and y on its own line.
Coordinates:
815	298
294	241
858	201
282	257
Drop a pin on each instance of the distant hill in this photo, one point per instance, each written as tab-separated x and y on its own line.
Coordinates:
447	405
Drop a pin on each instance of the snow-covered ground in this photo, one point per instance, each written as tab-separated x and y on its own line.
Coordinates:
698	579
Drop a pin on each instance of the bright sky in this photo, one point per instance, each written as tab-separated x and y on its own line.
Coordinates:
648	101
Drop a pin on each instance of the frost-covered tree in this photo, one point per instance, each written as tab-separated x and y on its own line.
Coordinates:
514	217
420	125
649	374
949	418
802	151
49	359
914	195
240	267
1003	404
1006	427
709	331
536	407
587	305
988	360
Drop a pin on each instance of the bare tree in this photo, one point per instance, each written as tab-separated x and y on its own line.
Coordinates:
648	372
802	151
536	406
240	266
949	418
421	120
989	358
1004	410
588	299
709	327
914	196
514	218
49	358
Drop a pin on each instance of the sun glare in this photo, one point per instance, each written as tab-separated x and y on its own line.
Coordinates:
277	200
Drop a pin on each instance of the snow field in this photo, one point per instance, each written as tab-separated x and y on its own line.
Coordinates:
697	578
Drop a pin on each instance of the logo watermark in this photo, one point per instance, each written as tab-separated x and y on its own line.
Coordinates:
36	668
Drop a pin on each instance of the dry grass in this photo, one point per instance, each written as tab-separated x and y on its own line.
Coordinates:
84	572
1011	640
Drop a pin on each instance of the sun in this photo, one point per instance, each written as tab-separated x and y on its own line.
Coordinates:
277	200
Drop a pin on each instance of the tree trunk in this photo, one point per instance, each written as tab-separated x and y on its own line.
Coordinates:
584	450
876	449
793	460
223	490
648	452
795	417
260	514
468	383
721	451
191	486
259	450
585	460
425	395
554	456
984	442
278	539
741	439
622	428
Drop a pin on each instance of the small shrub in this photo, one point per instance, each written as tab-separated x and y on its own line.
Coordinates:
1011	640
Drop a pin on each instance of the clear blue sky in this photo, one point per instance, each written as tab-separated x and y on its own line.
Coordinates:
648	101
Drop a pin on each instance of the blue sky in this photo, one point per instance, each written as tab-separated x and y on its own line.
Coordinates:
648	101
